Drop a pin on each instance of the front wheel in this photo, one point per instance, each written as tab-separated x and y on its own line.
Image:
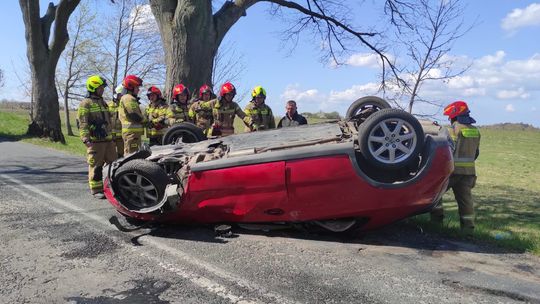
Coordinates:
140	186
391	139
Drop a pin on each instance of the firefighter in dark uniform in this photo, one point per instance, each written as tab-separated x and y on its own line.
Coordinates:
130	115
291	118
202	117
96	133
260	113
224	110
179	108
466	138
157	114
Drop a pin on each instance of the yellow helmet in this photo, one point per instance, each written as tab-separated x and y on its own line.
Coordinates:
258	91
95	81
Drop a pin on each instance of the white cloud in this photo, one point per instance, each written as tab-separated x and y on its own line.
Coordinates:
513	94
364	60
490	60
518	18
293	92
509	108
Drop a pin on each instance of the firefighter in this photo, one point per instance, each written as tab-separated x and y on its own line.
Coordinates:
116	124
202	117
260	113
224	110
179	109
157	114
96	133
291	118
130	115
466	139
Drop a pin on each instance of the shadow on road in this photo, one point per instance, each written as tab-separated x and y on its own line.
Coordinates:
400	234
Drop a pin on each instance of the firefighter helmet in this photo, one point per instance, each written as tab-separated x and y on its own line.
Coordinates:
456	109
227	88
180	89
154	90
131	81
258	91
95	81
204	89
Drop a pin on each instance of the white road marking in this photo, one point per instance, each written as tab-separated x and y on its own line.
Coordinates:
205	283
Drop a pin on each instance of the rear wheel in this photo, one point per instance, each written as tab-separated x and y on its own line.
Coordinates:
391	139
140	185
184	132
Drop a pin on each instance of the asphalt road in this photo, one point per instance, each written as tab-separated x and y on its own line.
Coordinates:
57	246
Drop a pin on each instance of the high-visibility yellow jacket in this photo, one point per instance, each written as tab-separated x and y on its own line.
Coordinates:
466	139
202	117
224	114
261	116
116	125
178	113
156	117
130	115
94	120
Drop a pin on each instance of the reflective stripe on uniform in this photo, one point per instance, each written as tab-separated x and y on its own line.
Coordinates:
464	161
126	130
470	132
95	184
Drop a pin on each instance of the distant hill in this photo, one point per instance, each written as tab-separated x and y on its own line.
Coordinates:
511	126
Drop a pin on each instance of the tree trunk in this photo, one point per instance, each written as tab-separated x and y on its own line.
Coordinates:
191	36
43	59
66	112
46	120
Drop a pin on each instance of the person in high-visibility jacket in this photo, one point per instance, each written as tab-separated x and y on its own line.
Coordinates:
224	110
96	133
202	117
156	116
179	108
130	115
115	121
466	138
260	113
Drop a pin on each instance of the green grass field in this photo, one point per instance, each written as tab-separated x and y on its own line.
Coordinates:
507	194
14	123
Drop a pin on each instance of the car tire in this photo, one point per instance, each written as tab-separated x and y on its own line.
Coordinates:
189	133
140	185
391	139
366	102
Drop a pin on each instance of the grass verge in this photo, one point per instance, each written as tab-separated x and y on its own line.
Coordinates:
507	193
13	125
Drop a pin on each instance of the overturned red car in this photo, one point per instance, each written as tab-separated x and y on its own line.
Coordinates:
376	166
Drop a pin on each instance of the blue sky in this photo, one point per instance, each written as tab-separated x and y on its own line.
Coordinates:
502	85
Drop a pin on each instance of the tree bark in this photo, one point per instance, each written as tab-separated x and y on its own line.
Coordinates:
43	59
191	36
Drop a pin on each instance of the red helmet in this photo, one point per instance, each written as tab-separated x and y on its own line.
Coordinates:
227	88
131	81
456	109
204	89
179	89
154	90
